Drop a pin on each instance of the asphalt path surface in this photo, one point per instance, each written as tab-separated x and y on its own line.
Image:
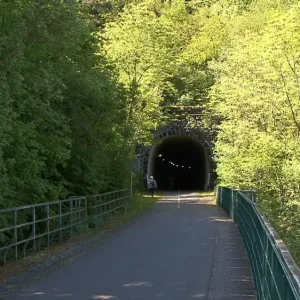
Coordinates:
185	248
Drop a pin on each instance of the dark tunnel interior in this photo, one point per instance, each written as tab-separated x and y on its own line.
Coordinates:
179	163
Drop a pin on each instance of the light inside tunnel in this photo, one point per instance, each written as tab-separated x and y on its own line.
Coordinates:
179	163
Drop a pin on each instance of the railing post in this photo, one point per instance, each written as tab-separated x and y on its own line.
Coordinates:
104	207
79	211
113	204
48	224
33	228
60	222
16	233
253	196
71	216
235	203
131	185
237	208
101	208
85	209
232	205
217	195
111	197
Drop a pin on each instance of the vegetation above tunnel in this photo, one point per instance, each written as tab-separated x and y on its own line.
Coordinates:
82	84
239	60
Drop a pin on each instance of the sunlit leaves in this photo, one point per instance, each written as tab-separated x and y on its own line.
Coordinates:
143	43
257	97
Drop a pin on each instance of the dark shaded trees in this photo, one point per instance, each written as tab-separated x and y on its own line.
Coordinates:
62	120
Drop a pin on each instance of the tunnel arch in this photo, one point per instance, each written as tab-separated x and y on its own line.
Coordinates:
179	162
203	139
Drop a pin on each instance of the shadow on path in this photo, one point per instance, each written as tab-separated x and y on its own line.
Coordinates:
185	248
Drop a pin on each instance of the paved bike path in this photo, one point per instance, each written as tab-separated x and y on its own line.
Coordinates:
185	248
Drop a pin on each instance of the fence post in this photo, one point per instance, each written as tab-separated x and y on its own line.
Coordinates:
71	216
85	209
60	222
232	205
48	224
219	195
105	206
238	206
131	184
80	211
235	204
33	228
102	208
16	233
253	196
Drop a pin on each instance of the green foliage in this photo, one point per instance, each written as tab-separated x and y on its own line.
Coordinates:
139	43
256	95
82	85
61	112
139	182
161	52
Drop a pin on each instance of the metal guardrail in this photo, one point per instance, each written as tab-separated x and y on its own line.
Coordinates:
276	275
103	205
31	228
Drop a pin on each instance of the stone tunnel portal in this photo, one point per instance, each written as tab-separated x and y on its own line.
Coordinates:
179	162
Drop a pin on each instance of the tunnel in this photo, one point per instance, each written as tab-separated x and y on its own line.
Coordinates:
179	163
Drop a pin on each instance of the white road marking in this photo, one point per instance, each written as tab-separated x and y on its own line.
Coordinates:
178	200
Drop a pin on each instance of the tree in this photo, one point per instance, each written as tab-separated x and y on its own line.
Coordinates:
61	115
256	95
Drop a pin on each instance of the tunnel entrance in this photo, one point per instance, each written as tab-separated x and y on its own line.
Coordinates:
179	163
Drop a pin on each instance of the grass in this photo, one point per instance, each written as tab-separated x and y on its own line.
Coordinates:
139	204
207	194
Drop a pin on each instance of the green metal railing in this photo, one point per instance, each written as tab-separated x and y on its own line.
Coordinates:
31	228
276	276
